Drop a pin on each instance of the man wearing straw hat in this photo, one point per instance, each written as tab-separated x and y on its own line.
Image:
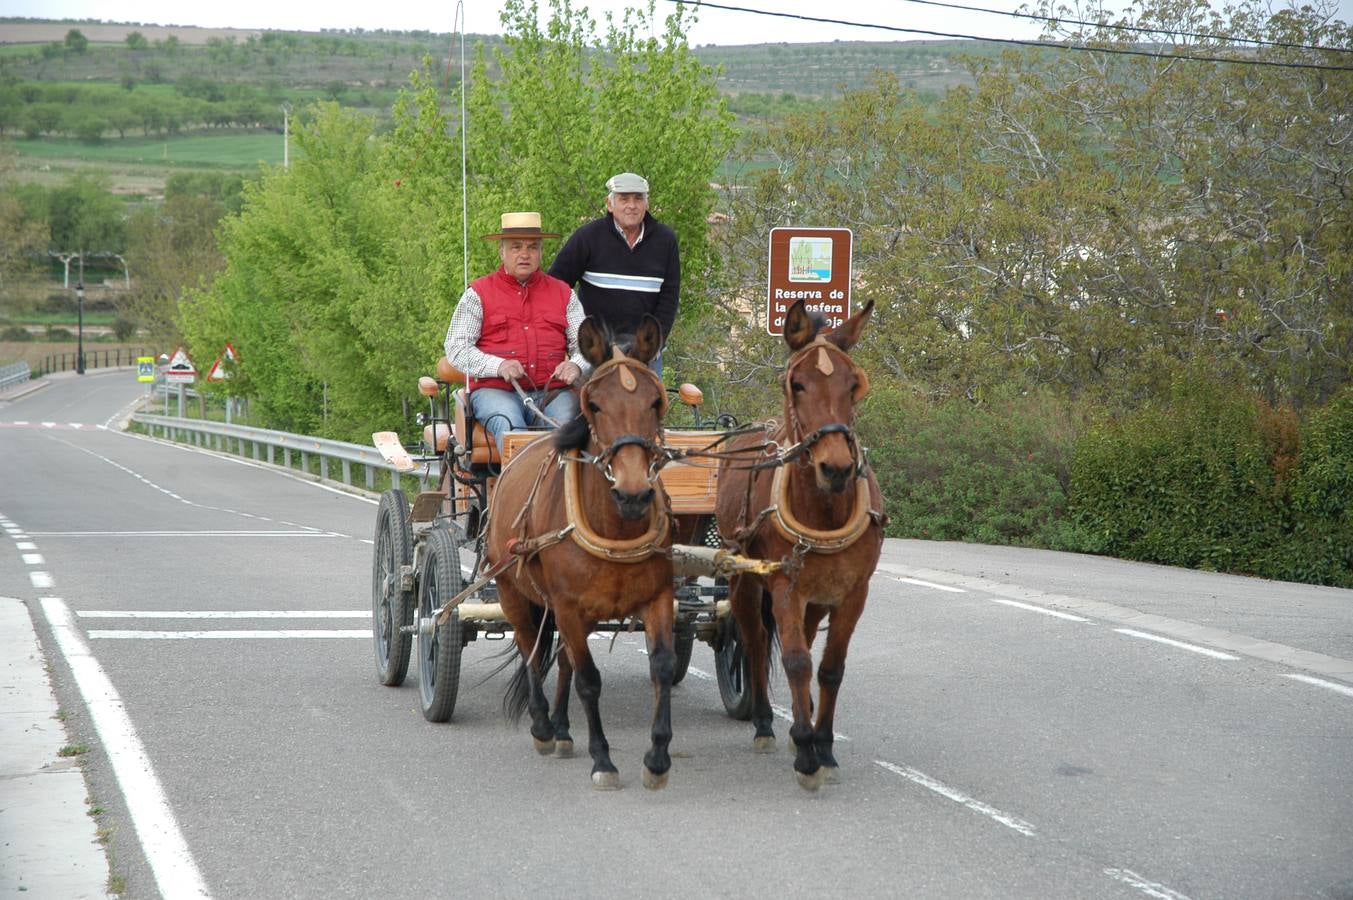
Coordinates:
517	325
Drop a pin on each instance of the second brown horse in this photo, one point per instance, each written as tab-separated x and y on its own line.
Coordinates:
813	503
590	523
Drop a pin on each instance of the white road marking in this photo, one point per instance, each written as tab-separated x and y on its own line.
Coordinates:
700	673
41	579
48	424
225	635
26	545
1038	609
223	614
884	569
144	480
958	796
1149	888
1193	648
75	425
211	534
166	851
788	715
32	559
1320	682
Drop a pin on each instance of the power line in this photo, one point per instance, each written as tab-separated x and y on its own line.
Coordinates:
1136	28
699	4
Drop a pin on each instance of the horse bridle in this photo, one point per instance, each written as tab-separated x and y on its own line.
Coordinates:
625	368
802	443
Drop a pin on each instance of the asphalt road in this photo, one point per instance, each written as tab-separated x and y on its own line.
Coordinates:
1014	723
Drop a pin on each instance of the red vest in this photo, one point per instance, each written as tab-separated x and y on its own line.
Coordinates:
527	323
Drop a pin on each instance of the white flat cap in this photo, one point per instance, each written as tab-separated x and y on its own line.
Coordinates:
627	183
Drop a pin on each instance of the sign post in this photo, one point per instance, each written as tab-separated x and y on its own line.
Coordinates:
812	265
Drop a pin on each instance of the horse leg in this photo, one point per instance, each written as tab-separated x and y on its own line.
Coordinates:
563	741
744	595
587	682
658	628
526	634
798	663
830	673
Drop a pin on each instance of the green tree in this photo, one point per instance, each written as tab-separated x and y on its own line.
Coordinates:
76	42
85	217
171	248
137	41
21	234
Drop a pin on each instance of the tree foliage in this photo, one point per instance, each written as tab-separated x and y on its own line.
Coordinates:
1093	222
342	271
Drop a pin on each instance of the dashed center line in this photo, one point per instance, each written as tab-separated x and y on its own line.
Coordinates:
1193	648
1039	609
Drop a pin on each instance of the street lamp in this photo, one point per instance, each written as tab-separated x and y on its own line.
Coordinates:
80	355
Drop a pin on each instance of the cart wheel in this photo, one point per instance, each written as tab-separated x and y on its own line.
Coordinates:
391	607
439	650
733	670
685	643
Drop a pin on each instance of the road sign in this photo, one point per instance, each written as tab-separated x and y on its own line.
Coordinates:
180	369
218	372
145	368
812	265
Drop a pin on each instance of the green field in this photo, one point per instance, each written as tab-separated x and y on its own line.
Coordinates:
225	151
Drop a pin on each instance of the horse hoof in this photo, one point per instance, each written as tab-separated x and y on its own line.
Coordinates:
544	748
763	743
814	781
606	781
655	782
563	749
831	774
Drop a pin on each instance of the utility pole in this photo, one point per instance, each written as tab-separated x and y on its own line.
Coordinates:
286	135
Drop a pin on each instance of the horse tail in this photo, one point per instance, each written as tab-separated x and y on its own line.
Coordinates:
518	694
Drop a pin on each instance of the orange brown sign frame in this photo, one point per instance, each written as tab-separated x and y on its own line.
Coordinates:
812	265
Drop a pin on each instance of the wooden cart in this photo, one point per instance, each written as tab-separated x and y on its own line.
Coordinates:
423	552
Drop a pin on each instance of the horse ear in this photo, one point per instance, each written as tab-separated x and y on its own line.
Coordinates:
647	339
593	342
847	334
799	326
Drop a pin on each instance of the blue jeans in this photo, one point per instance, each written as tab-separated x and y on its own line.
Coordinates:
499	411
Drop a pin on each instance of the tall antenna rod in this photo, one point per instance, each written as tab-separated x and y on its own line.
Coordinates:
464	185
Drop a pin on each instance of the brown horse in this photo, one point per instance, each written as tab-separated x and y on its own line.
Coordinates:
819	511
590	522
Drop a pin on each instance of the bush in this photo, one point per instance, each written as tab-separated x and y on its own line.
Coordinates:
993	472
123	329
15	333
58	335
1198	481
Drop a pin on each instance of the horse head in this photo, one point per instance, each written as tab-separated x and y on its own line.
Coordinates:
822	387
623	403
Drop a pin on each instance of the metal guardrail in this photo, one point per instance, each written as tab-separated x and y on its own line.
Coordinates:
10	375
263	445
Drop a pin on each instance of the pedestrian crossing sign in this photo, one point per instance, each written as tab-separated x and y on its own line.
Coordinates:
145	368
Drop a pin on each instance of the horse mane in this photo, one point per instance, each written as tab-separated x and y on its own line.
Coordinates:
574	434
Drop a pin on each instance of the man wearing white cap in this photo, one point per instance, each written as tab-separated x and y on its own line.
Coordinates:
626	263
517	324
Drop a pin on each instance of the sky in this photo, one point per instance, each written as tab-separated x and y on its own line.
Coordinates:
482	16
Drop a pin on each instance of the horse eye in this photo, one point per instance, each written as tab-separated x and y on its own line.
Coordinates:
796	387
593	408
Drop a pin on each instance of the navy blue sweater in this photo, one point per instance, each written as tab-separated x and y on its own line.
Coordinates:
619	284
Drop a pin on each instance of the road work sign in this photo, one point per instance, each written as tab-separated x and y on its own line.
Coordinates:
812	265
180	369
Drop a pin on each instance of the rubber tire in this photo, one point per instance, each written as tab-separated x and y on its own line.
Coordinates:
391	607
439	652
733	671
685	644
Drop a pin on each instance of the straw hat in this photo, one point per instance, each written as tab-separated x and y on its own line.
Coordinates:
519	225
